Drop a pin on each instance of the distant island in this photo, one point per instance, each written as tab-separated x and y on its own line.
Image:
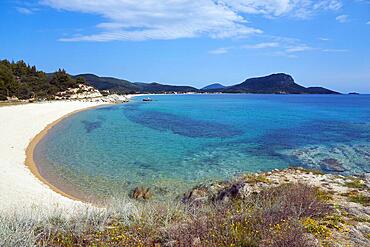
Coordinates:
19	80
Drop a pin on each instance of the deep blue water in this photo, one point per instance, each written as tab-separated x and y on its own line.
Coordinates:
178	141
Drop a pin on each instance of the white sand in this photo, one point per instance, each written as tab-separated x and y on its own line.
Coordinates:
19	188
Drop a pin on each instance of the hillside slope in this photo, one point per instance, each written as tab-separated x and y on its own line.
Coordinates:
112	84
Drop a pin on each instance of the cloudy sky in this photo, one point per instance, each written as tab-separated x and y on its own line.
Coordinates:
194	42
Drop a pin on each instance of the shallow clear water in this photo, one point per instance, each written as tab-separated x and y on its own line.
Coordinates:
178	141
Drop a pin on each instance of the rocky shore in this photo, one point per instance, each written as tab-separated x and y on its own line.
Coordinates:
349	196
110	99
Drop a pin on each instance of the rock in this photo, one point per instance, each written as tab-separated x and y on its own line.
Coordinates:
196	242
141	193
236	190
196	195
367	179
171	243
357	210
357	237
364	229
331	165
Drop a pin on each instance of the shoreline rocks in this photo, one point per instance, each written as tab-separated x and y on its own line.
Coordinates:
349	195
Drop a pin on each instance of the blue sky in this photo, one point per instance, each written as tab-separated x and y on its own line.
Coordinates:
194	42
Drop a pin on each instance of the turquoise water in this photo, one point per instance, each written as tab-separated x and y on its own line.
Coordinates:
178	141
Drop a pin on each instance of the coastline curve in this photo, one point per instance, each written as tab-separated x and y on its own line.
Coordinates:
31	164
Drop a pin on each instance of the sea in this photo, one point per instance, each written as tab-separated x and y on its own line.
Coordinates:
176	142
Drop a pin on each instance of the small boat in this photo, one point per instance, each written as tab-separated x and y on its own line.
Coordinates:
147	99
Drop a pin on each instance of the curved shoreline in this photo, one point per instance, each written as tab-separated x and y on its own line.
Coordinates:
30	162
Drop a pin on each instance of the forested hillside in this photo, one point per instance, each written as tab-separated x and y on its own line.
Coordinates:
24	81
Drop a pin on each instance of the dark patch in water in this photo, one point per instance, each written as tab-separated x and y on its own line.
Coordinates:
91	125
316	132
101	118
107	108
321	132
180	125
145	166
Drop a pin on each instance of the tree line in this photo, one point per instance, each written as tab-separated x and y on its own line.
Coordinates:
18	79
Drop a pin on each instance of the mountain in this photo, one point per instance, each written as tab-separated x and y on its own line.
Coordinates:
22	81
272	84
114	85
213	86
160	88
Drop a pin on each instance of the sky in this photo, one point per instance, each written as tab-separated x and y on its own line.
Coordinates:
186	42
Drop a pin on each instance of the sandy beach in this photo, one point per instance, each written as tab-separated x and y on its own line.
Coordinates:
21	187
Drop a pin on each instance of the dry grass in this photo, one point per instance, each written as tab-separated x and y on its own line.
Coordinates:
289	215
274	217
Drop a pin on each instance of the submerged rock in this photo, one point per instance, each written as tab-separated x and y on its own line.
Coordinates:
332	165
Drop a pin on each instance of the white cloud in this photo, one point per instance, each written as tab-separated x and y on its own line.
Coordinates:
219	51
342	18
335	50
298	8
298	48
282	46
24	11
291	45
262	45
368	23
173	19
324	39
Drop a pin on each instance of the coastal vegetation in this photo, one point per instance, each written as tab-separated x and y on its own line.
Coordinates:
22	81
269	209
